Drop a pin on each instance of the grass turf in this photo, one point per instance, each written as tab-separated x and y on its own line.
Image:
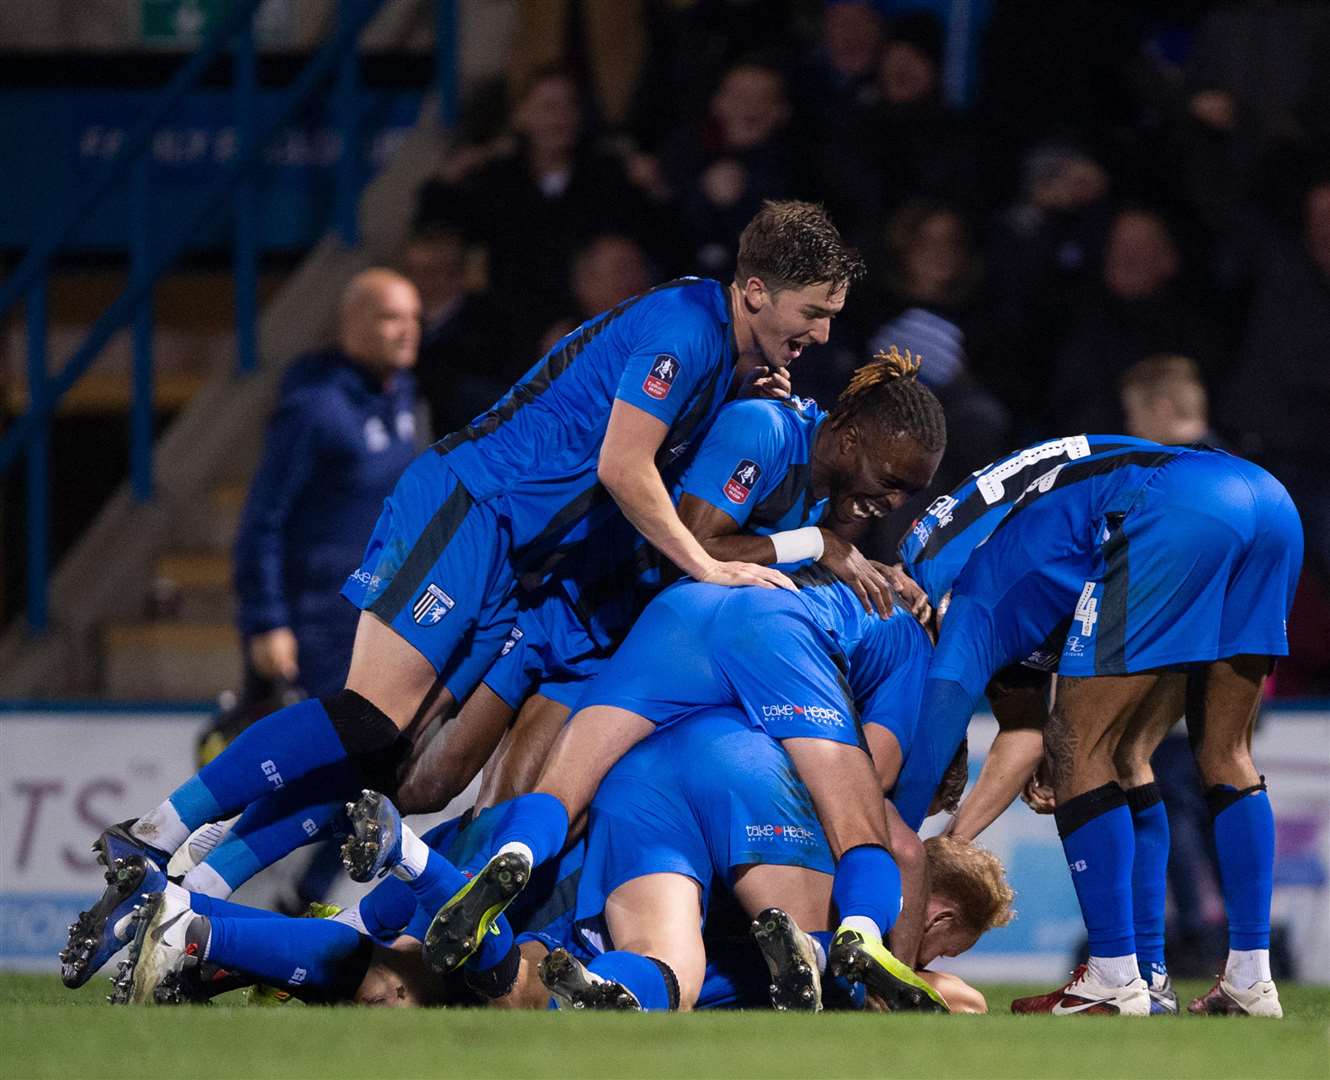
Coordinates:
46	1031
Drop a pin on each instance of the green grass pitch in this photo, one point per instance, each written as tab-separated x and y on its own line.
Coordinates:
46	1031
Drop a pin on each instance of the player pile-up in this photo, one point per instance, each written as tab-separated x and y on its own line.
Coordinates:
708	793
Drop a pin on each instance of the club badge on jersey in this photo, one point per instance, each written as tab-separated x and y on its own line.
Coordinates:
660	380
740	484
431	606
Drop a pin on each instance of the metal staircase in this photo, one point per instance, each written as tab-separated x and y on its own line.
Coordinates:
141	607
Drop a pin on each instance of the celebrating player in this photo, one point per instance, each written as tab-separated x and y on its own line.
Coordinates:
693	647
577	443
1120	561
772	482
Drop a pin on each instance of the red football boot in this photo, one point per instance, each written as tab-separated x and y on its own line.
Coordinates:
1083	995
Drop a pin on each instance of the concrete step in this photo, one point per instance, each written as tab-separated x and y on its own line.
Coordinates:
192	586
210	524
169	660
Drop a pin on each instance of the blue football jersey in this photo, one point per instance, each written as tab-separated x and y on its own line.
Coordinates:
886	660
1092	474
755	464
670	352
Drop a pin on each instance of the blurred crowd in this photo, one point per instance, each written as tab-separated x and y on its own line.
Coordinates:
1118	219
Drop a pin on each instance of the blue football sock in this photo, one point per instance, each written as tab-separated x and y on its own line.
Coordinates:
300	953
440	882
387	908
1245	843
537	820
278	824
266	756
1149	877
640	974
868	883
1097	838
201	904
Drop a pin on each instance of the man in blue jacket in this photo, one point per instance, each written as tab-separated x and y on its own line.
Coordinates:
342	432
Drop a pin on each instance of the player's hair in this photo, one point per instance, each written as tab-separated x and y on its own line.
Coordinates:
974	878
790	244
886	401
1174	377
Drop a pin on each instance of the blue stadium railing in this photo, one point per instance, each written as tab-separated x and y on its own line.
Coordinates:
151	257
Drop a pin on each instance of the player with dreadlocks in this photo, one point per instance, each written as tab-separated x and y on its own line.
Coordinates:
781	658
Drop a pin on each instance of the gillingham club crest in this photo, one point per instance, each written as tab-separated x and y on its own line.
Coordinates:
431	606
664	370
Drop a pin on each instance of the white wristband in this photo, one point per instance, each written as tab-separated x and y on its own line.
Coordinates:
796	545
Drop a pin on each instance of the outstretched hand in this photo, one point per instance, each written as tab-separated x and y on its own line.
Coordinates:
743	573
861	574
910	592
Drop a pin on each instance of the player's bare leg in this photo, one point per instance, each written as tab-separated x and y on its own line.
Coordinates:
1221	718
658	961
1161	709
528	991
456	753
516	766
1088	720
787	903
847	795
387	671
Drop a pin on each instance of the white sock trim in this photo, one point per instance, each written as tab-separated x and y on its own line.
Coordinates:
1114	970
1246	967
204	879
161	828
861	924
516	847
351	917
819	952
415	856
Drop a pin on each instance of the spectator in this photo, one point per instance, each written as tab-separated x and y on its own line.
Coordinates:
1280	397
909	144
605	272
716	178
1137	310
1257	78
841	78
465	365
1164	400
343	430
693	43
531	207
933	297
1045	253
610	35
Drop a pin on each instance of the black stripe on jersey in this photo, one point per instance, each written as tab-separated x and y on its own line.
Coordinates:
1110	657
1070	473
1082	470
558	524
966	513
813	576
796	483
424	554
683	429
556	363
